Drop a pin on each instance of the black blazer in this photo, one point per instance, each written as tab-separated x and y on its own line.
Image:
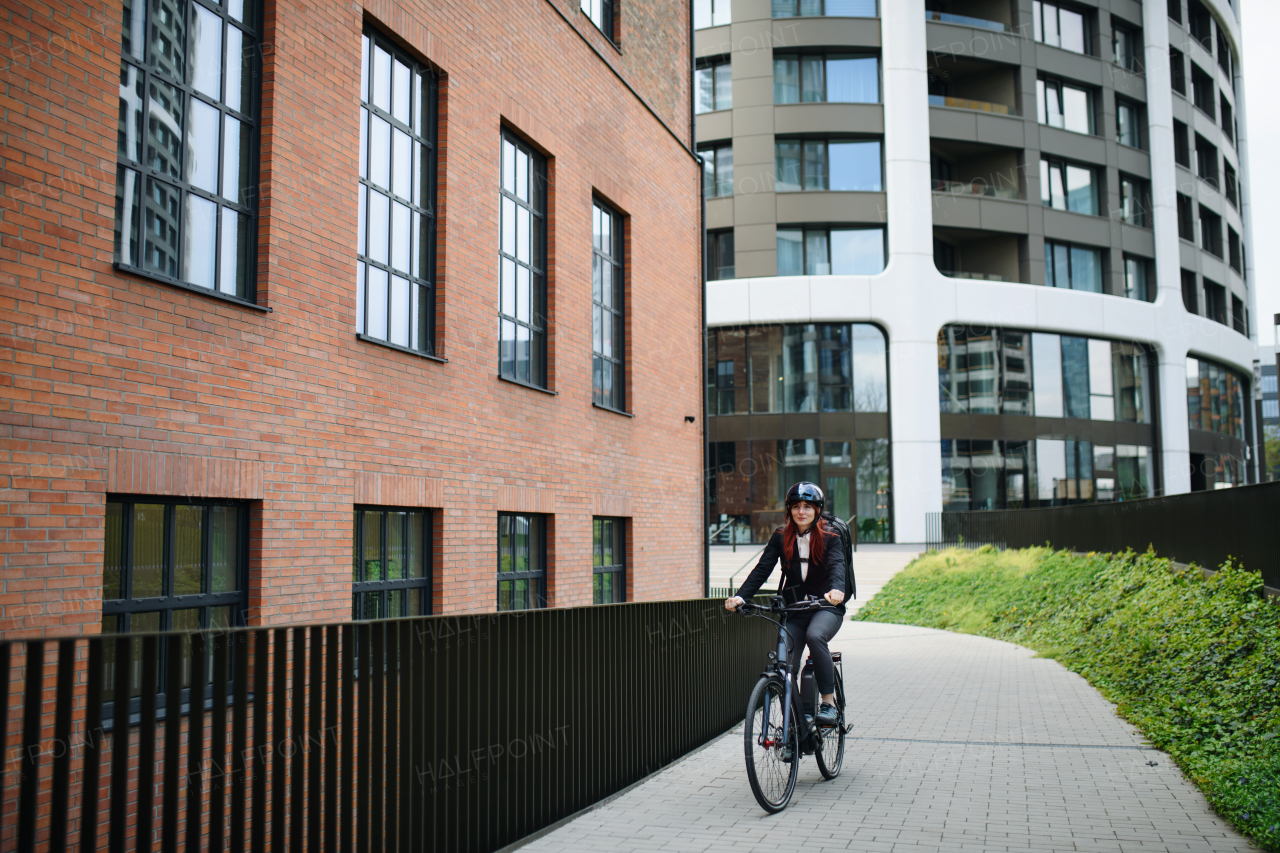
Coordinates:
824	575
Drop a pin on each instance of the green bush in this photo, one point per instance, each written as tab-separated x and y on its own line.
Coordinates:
1193	663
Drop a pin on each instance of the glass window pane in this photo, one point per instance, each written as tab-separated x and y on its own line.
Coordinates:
816	260
1075	376
206	51
233	272
815	165
853	79
224	548
813	86
129	131
376	311
239	73
401	236
1081	197
168	38
396	545
399	318
1086	269
380	152
164	128
1046	366
790	251
416	548
134	26
188	550
401	171
202	146
373	545
379	226
113	552
160	252
1071	25
235	160
855	166
786	80
381	79
1076	112
787	163
870	369
524	295
400	92
199	241
857	251
148	551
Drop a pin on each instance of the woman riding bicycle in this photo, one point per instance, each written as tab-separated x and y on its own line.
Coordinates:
812	567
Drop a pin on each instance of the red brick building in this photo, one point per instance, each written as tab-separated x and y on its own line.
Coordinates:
300	296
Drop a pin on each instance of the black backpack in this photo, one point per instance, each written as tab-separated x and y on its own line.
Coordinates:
846	540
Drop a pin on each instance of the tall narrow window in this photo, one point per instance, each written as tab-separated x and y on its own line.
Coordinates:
395	241
1207	161
601	14
1190	292
1181	144
1202	91
713	81
173	564
1177	71
1210	232
608	379
1234	256
1226	118
522	308
717	170
1229	187
720	258
390	563
187	144
1134	201
1127	48
608	549
1186	217
1135	278
1128	124
1224	52
522	561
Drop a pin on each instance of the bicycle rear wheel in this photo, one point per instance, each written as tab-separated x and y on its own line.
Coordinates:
830	752
771	745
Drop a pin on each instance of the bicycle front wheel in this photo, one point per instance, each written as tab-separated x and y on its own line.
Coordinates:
830	751
771	745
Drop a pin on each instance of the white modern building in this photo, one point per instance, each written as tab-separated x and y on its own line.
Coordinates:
970	254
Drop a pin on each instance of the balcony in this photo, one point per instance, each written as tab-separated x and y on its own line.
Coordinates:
975	255
976	187
968	104
966	21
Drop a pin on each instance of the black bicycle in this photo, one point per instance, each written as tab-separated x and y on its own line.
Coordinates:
777	730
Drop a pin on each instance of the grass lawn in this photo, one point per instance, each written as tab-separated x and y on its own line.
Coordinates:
1193	663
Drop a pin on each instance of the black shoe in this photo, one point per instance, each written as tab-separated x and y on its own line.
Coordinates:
827	715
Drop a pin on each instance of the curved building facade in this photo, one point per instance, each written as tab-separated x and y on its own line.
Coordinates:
970	254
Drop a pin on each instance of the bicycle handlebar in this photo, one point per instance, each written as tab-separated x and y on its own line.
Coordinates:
747	608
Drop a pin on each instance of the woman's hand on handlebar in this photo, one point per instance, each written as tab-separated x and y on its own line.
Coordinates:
733	602
834	597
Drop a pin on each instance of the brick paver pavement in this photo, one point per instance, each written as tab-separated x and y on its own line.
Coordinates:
959	743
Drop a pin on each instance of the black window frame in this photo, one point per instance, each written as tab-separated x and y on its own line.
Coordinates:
1200	24
1230	183
618	548
717	65
537	549
1235	258
1140	190
1202	91
715	250
712	154
1134	37
825	56
1210	231
1207	161
614	307
1215	302
381	587
1045	83
1139	123
1181	144
1095	182
422	281
1225	59
537	205
1190	292
608	20
1087	25
127	605
1178	71
1186	217
152	74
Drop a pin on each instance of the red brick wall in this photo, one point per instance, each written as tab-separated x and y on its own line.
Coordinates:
115	382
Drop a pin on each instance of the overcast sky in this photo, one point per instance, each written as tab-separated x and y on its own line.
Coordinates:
1261	18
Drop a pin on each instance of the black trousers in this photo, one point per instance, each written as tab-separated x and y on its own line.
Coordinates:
815	629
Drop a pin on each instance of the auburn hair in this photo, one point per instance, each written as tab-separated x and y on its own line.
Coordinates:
816	543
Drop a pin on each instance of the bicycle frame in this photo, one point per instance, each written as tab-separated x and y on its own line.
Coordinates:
780	665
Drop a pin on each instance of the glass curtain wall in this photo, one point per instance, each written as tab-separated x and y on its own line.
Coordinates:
798	402
1038	419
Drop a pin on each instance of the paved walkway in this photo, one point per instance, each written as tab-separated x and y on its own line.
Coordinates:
960	743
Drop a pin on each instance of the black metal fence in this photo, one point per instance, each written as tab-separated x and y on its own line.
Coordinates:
1201	527
434	733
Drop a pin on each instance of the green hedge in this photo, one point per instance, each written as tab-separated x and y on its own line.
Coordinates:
1193	663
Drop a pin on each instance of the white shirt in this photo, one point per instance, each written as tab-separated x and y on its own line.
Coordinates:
802	543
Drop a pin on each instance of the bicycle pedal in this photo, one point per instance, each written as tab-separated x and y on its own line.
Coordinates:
784	754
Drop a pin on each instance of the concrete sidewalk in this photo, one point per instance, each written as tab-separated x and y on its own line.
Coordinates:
960	743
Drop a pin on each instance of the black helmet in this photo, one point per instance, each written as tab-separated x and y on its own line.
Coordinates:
806	491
